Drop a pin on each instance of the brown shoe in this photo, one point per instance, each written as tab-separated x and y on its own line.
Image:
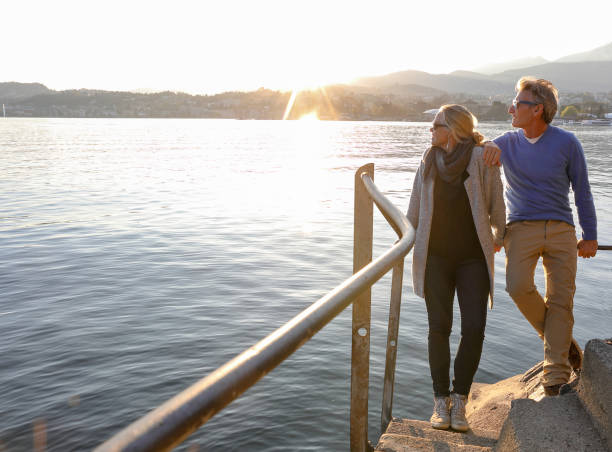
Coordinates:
575	355
552	390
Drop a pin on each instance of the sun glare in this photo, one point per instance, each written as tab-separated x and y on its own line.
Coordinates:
312	116
325	109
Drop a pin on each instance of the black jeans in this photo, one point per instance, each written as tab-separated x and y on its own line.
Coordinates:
471	279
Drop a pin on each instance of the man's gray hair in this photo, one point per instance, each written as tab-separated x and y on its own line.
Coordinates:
543	92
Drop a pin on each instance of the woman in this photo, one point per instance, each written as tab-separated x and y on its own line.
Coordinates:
458	210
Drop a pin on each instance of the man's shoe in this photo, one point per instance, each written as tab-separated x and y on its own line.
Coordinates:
440	418
457	415
575	355
552	390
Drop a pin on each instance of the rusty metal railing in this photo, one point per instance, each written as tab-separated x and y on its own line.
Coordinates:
168	425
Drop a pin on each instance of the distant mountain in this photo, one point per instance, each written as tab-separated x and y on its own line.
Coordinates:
14	90
148	90
469	74
586	71
520	63
462	82
603	53
399	89
593	76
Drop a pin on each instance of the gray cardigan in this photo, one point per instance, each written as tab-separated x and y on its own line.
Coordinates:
484	190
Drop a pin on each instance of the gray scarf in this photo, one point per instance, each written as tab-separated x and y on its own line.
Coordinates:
449	165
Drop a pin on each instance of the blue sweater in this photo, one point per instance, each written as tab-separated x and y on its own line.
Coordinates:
539	176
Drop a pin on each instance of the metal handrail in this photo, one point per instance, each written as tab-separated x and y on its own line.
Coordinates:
168	425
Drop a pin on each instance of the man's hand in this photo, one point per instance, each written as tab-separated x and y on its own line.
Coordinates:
587	248
491	154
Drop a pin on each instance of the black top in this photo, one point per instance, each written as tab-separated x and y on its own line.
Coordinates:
453	233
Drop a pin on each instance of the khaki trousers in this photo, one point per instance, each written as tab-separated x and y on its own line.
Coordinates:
552	316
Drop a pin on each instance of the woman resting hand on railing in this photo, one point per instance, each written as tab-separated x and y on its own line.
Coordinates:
457	208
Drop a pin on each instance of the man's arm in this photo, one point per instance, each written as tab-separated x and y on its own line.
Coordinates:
579	178
491	154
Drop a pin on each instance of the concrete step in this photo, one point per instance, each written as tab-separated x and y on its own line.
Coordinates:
408	435
550	425
516	413
400	443
595	387
489	404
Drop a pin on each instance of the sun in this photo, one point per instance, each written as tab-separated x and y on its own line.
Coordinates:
294	94
326	108
312	116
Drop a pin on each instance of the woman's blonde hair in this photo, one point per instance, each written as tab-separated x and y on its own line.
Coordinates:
543	92
461	123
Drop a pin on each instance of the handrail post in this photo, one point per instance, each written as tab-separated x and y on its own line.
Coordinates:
392	334
360	356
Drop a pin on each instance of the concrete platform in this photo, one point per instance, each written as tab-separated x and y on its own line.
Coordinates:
513	415
410	435
551	425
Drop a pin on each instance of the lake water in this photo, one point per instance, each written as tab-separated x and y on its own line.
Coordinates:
138	255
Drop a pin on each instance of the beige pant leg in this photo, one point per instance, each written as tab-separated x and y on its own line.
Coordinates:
524	243
559	260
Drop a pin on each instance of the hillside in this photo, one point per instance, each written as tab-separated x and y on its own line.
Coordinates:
592	76
402	90
496	68
603	53
10	91
581	72
464	82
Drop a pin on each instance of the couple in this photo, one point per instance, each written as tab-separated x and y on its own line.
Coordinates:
457	208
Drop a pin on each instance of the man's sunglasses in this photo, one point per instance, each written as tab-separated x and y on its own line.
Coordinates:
516	103
436	126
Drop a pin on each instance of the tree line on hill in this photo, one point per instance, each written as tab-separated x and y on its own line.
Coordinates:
338	102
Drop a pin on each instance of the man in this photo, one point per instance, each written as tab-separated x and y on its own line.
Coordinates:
540	163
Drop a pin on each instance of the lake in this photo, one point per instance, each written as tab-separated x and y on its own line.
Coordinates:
138	255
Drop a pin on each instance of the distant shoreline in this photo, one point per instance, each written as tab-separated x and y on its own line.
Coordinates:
338	102
424	121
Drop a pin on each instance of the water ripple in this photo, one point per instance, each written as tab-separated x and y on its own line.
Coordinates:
139	255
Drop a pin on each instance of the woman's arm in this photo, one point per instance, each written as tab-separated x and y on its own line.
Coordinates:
495	203
415	198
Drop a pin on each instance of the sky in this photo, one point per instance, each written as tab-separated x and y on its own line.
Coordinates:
211	46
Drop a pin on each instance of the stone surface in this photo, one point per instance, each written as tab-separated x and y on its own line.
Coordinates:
552	424
400	443
489	404
513	414
595	387
407	435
